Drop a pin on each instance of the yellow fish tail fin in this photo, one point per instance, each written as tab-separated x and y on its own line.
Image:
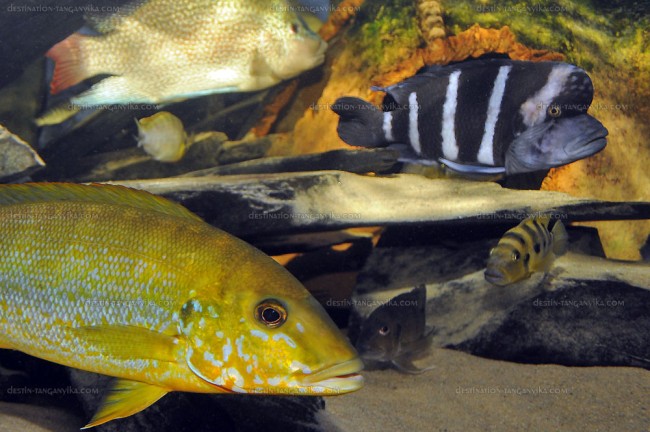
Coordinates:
560	238
126	398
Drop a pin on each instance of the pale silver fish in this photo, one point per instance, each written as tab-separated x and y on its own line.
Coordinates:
169	50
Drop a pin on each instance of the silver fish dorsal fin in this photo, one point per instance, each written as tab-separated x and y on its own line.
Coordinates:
94	193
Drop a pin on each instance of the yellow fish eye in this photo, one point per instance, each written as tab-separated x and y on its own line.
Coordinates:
554	111
516	255
271	313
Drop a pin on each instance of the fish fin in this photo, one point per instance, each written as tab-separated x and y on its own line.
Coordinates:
94	193
69	69
126	398
123	341
472	169
360	122
560	238
57	115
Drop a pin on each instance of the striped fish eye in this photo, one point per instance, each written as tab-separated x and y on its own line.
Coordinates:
271	313
516	256
554	111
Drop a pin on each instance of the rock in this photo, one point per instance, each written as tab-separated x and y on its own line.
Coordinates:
17	158
362	161
592	322
580	327
330	200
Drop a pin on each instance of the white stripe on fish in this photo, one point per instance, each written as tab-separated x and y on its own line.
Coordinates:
449	146
486	151
388	126
414	133
533	111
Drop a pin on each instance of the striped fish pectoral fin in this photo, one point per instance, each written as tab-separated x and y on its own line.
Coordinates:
127	342
560	238
472	169
360	122
126	398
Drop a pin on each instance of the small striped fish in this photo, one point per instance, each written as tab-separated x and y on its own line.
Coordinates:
529	247
482	117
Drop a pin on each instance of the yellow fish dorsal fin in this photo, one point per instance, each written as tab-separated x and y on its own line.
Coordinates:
126	398
129	342
94	193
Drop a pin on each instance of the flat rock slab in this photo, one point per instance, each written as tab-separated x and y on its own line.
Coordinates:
467	393
251	205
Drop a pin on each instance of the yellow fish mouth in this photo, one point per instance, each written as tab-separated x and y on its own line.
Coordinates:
341	378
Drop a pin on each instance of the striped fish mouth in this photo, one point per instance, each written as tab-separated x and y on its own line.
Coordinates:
341	378
494	276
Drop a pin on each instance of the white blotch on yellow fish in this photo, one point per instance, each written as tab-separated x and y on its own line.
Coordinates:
260	335
258	380
208	356
284	337
300	328
227	350
303	367
212	312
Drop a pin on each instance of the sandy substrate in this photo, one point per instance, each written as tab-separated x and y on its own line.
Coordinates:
462	393
467	393
28	418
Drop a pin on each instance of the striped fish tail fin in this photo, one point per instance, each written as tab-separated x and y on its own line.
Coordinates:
560	238
360	122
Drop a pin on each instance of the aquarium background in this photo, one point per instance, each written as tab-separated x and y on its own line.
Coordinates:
567	348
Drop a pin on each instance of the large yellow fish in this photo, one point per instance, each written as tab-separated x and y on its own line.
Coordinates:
169	50
128	284
529	247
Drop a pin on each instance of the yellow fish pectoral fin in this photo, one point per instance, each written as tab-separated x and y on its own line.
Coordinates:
129	342
124	399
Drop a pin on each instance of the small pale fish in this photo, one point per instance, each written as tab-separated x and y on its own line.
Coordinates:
481	117
160	51
124	283
396	332
162	136
530	247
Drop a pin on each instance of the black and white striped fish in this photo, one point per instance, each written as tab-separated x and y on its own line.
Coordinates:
529	247
482	117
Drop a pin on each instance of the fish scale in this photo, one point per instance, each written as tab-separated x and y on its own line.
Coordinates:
123	283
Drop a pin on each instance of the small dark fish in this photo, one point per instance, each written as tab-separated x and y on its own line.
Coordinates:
529	247
482	117
396	332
